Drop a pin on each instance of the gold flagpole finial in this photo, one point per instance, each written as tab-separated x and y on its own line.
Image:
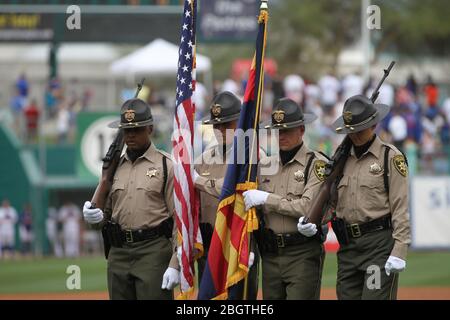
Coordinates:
263	12
263	5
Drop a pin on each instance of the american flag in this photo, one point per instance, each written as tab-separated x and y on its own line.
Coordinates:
185	197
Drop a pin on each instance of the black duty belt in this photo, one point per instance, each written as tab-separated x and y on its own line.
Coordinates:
356	230
290	239
132	236
270	242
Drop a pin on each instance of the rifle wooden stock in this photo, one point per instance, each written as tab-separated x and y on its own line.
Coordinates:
334	169
110	163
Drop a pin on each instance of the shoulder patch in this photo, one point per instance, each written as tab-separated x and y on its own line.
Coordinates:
319	169
400	164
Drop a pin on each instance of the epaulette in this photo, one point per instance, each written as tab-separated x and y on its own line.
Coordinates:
165	154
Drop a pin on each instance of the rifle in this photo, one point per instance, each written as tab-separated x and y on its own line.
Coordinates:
109	167
334	171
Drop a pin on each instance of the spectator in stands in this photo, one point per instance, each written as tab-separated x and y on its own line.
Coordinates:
70	216
8	220
446	109
231	85
53	229
31	114
431	93
329	90
352	85
53	97
17	104
277	88
26	229
398	129
23	86
86	99
445	131
201	99
293	86
63	123
411	85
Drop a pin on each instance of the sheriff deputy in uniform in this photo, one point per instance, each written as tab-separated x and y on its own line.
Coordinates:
291	263
211	169
140	209
372	222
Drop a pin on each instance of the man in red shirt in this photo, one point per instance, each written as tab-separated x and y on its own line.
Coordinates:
431	93
32	120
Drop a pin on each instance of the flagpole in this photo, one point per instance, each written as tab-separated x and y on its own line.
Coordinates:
263	7
252	211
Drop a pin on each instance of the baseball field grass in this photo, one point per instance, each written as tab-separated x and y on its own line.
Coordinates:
48	275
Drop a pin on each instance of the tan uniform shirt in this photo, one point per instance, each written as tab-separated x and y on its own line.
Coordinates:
290	198
136	199
362	196
212	172
211	168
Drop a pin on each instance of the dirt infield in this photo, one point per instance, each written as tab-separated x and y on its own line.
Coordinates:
409	293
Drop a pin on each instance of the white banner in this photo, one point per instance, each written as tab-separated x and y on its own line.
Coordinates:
430	212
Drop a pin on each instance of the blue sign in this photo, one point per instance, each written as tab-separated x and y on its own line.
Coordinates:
228	20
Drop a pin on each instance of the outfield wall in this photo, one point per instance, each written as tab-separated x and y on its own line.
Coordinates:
430	212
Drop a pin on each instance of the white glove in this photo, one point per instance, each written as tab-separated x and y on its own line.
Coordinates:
251	259
254	198
196	175
394	264
308	229
170	278
92	216
179	252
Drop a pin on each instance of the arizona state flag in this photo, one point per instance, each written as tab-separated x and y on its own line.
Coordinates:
229	250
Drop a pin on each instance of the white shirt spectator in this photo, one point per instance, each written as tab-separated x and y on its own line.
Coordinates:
293	86
352	85
312	94
63	120
398	128
386	95
337	111
8	220
201	98
446	109
329	87
232	86
70	216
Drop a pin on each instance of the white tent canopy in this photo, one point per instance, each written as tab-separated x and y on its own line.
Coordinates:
158	57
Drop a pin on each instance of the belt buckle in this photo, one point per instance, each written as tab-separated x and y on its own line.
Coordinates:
355	230
129	236
280	241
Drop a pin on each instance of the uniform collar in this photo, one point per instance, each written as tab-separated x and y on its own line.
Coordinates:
300	156
374	149
149	154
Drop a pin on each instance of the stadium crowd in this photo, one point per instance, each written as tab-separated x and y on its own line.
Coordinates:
419	123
